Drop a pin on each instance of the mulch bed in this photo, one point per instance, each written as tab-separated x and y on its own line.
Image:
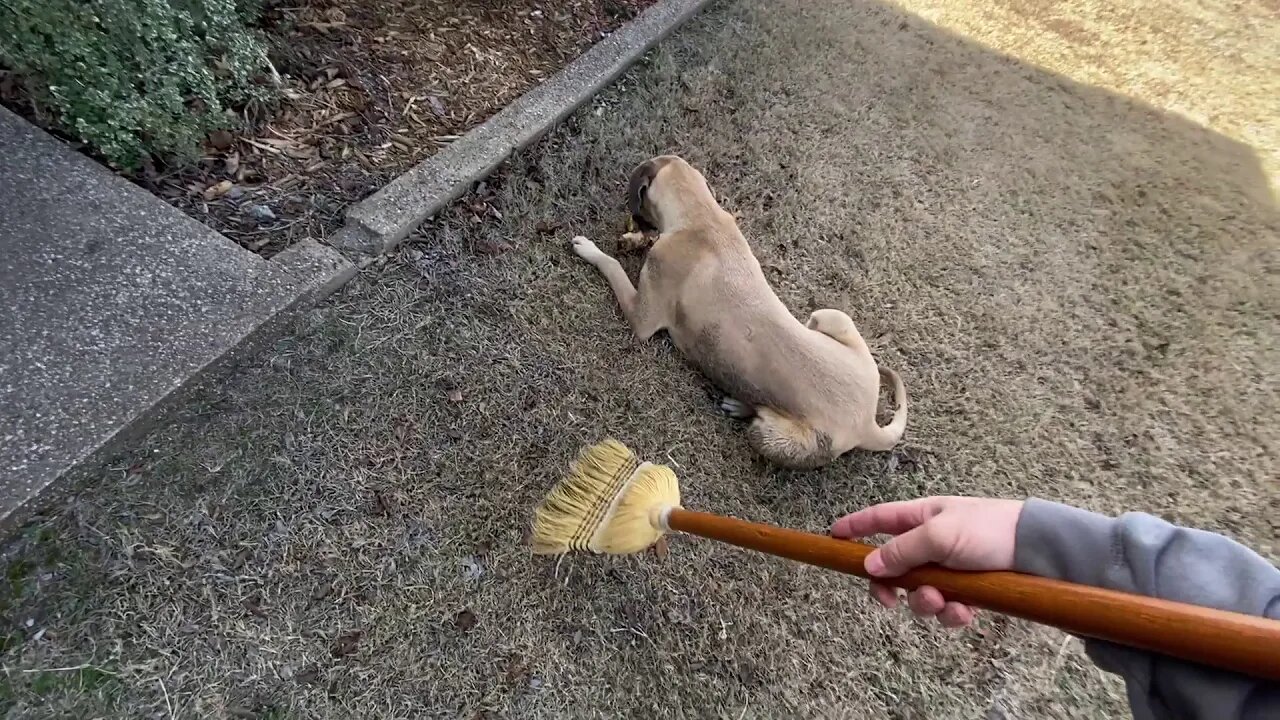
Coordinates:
370	89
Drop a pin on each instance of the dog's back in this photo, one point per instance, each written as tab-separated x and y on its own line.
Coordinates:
732	326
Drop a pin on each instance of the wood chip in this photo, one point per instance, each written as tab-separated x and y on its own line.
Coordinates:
335	119
217	190
263	146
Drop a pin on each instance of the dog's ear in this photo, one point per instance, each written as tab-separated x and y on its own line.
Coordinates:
638	188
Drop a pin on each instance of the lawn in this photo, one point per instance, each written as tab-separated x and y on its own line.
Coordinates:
1077	286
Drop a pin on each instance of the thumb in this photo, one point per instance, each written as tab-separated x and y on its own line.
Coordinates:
906	551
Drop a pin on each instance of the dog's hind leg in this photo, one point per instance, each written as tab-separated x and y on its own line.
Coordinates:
788	442
736	409
839	326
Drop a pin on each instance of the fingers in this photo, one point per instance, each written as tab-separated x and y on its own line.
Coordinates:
911	549
884	595
955	615
892	518
926	602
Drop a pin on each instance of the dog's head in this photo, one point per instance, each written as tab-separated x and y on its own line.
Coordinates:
660	181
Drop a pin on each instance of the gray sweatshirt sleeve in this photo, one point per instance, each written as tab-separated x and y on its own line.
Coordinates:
1142	554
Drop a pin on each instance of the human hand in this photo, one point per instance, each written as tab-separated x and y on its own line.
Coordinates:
961	533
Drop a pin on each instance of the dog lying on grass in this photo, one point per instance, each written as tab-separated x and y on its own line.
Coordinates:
809	390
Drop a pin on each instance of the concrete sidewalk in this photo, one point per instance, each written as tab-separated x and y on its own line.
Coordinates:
113	301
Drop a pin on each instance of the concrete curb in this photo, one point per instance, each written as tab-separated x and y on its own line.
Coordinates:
380	222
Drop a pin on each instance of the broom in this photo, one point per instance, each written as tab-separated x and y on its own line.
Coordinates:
612	503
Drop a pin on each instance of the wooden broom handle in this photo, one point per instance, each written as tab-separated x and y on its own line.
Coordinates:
1232	641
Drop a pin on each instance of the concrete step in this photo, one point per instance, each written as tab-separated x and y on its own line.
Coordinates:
111	303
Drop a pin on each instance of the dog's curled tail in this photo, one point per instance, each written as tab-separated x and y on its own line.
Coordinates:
884	438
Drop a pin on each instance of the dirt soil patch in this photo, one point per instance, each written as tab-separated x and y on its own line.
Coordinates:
1073	283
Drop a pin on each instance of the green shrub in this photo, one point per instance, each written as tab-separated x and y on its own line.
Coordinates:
135	78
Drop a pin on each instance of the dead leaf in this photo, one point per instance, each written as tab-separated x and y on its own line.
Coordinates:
383	504
309	675
322	592
661	549
217	190
403	430
492	247
335	83
517	672
253	604
347	643
465	620
221	139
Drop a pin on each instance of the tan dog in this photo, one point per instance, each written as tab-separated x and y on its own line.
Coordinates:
812	390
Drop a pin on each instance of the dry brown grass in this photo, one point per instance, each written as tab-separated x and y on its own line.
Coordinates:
1212	62
1077	287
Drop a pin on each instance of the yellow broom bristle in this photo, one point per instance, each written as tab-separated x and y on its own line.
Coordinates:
608	503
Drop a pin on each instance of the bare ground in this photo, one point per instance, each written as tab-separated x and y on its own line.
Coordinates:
1079	289
368	91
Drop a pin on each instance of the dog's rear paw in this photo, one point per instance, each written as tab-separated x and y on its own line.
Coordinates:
585	249
830	322
735	408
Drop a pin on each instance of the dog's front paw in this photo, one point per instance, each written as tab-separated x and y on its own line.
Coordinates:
585	249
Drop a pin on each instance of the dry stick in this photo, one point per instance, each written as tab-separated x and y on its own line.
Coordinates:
1233	641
